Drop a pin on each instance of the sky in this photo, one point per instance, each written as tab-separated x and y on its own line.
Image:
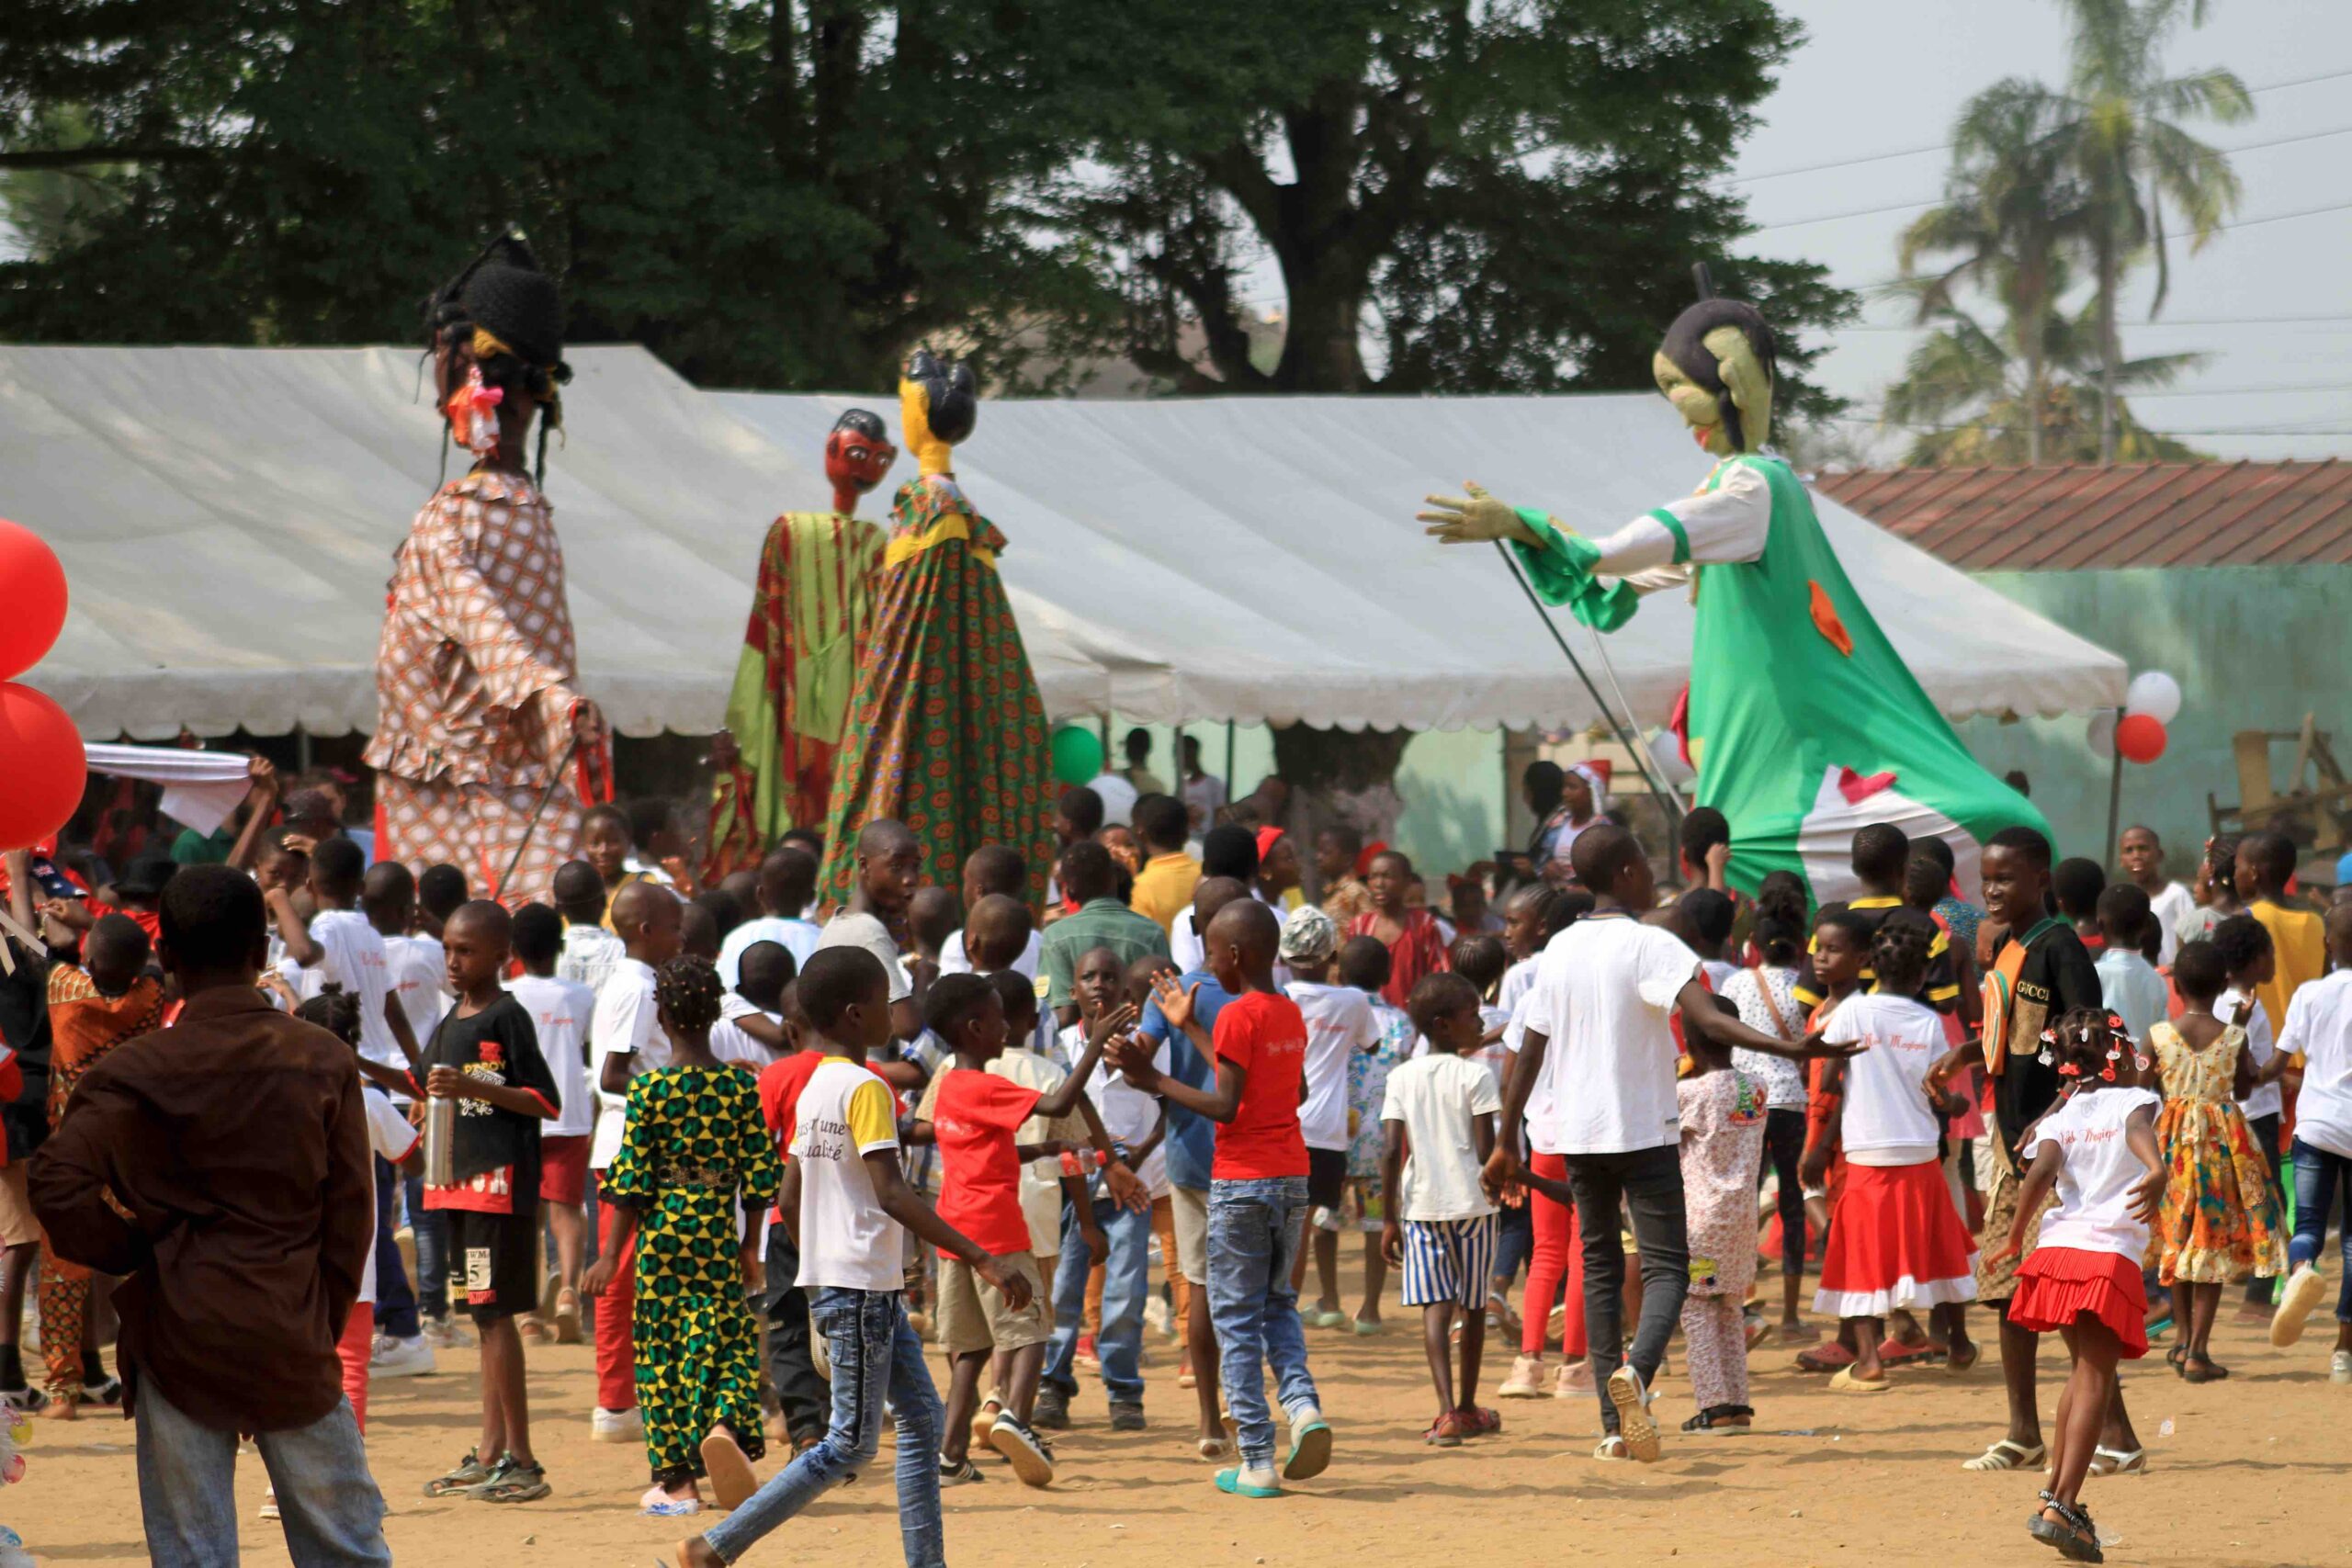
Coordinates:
1878	77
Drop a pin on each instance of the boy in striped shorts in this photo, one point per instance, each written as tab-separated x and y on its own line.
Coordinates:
1438	1118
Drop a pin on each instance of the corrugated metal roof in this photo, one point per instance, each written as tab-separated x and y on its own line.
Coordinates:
2085	516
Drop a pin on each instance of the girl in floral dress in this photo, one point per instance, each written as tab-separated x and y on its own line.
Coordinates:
697	1154
2220	1220
1364	964
1723	1144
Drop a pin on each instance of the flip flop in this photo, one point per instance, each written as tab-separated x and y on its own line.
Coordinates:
1827	1358
1214	1448
2006	1455
1230	1481
1310	1451
1846	1383
732	1479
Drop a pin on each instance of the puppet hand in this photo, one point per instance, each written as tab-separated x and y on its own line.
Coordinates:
1473	519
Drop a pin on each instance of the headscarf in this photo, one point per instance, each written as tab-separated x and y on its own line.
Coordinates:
1310	936
1598	777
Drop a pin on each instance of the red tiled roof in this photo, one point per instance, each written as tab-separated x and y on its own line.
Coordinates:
2085	516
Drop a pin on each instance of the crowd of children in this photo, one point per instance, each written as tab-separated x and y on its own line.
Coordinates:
773	1151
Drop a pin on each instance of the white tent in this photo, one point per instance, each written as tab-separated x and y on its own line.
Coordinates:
227	519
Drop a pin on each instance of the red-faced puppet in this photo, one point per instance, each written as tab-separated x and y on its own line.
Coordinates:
857	454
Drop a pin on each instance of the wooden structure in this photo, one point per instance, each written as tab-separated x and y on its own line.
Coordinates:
2314	807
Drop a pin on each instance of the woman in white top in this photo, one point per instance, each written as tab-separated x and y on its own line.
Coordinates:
1765	994
1895	1238
2098	1146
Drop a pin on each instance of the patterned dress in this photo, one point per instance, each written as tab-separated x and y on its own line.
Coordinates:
696	1146
1368	1088
474	691
2220	1220
1419	951
945	731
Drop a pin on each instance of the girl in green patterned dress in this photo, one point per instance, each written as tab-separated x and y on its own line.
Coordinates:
695	1171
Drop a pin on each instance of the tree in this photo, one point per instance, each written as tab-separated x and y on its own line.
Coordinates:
785	194
1975	396
2125	143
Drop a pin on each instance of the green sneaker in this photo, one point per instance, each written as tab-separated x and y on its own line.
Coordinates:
470	1472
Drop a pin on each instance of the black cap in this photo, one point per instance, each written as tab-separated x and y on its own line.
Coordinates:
146	876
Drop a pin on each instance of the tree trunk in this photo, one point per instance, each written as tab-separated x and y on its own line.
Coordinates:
1322	345
2109	350
1337	775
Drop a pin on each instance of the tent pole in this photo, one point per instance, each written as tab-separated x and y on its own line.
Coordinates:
1640	756
2114	798
1229	797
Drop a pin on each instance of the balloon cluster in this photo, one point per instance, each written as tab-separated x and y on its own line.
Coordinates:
46	770
2138	733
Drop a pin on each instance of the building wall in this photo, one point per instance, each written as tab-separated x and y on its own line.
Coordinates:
2253	647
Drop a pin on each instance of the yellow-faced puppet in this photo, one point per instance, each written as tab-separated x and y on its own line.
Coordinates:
1716	369
938	405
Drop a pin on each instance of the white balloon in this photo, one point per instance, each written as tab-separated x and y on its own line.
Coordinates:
1666	755
2101	734
2155	694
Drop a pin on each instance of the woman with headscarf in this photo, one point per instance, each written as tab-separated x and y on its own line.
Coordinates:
1566	802
478	718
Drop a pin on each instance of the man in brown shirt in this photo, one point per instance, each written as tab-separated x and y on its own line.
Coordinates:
237	1141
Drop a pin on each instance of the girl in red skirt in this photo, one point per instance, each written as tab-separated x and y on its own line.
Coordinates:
2099	1146
1896	1241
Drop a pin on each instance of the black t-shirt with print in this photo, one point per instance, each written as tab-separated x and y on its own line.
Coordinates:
497	1150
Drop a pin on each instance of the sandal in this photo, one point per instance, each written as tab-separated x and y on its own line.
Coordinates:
1721	1420
1214	1448
1844	1382
1828	1357
1614	1447
470	1472
2006	1455
2117	1461
514	1482
1479	1420
2176	1359
2202	1369
2072	1532
1445	1432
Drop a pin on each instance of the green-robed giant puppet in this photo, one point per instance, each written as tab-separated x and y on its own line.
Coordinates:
1802	722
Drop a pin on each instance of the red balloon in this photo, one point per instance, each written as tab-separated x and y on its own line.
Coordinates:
45	771
2140	737
36	611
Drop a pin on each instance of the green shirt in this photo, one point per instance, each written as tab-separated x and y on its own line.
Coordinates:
1100	922
192	848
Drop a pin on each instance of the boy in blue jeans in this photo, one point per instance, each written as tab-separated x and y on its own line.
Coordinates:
1256	1190
844	1201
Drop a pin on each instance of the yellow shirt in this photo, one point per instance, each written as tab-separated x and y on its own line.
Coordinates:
1164	888
2298	937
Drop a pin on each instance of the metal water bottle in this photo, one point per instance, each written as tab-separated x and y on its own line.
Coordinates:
440	1142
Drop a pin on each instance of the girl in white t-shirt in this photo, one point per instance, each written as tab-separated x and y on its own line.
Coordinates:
1896	1241
2098	1146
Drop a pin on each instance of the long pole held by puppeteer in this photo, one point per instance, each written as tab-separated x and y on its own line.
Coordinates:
2115	792
555	783
1633	749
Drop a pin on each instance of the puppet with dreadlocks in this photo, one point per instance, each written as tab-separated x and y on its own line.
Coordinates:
809	612
947	732
1803	721
482	746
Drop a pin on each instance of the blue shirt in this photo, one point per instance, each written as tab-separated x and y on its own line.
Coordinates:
1192	1138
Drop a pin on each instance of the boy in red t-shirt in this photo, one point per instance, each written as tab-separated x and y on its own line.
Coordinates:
972	1114
1256	1190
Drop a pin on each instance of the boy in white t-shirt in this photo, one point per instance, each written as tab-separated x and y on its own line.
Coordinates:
1441	1228
846	1203
560	1012
415	974
627	1040
787	882
1339	1022
1598	1051
2319	1034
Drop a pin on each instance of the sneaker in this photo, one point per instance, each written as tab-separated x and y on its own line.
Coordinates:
2339	1366
1573	1381
1526	1380
616	1426
1159	1317
400	1358
442	1331
269	1504
512	1481
1632	1402
1022	1450
1088	1356
658	1504
1052	1412
962	1473
2304	1288
1127	1416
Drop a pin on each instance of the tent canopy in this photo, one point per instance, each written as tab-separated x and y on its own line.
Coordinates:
227	519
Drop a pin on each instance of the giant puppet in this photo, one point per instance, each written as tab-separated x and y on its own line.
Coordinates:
945	730
483	747
810	608
1803	721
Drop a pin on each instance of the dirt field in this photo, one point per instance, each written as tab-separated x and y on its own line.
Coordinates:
2248	1471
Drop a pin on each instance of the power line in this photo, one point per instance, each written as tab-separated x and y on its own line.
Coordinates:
1945	146
1880	422
2340	323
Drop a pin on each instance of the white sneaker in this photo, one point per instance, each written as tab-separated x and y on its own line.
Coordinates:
616	1426
1526	1380
2339	1366
270	1505
2304	1288
400	1358
443	1333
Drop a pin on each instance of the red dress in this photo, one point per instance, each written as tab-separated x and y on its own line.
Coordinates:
1420	951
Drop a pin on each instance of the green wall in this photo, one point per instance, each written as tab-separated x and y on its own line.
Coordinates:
2253	647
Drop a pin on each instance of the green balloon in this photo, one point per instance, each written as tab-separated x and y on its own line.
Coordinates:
1078	755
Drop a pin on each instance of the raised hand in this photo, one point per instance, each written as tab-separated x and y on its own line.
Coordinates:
1176	1002
1471	519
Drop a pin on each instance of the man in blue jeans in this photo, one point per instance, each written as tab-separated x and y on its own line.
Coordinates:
1132	1121
845	1202
238	1142
1256	1190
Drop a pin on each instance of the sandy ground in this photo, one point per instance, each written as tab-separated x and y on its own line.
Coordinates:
2246	1472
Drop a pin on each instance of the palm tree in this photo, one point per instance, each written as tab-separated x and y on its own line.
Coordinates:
2128	148
2013	212
1975	396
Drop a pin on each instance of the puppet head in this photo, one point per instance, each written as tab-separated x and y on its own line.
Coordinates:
1716	369
857	454
495	331
938	404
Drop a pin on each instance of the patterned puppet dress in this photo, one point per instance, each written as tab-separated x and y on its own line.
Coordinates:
696	1146
2220	1220
946	732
